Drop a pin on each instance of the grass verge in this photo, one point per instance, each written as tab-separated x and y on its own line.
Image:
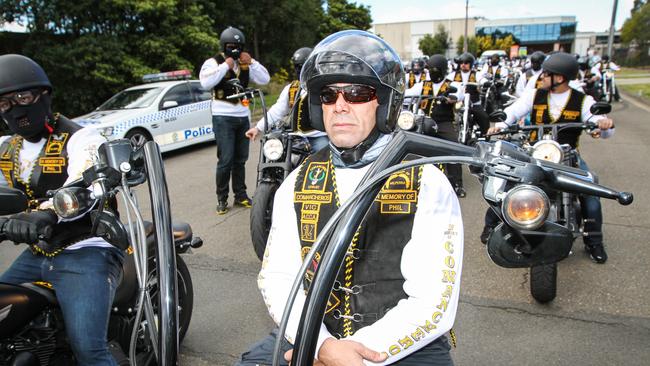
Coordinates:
641	91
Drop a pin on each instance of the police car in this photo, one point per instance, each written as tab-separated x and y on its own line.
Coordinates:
174	113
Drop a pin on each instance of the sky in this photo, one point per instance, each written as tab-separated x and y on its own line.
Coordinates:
592	15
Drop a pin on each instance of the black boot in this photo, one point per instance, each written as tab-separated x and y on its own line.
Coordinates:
597	253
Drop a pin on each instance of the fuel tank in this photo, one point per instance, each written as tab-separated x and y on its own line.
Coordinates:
18	306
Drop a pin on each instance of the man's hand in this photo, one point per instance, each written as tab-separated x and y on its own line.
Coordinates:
605	124
341	352
492	130
252	133
230	62
289	354
245	58
30	227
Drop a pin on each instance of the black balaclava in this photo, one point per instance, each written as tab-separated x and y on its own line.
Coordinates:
436	75
536	66
234	52
32	122
494	61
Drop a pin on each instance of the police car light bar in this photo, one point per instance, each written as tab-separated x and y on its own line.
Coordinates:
165	76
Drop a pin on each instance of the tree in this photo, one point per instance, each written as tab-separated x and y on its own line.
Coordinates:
636	32
472	45
341	15
437	44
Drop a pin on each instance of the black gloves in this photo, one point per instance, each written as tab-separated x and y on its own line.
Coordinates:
30	227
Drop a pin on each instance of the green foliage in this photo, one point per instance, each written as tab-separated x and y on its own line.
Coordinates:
472	45
437	44
342	15
636	31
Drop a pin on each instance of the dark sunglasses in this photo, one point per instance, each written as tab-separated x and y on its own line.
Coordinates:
354	93
465	63
24	98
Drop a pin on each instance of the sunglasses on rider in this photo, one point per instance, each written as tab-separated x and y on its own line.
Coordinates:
353	93
23	98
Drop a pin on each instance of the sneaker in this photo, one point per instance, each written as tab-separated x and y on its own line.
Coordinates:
244	202
485	234
460	191
222	207
597	253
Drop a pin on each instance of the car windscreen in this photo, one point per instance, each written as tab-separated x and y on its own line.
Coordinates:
131	99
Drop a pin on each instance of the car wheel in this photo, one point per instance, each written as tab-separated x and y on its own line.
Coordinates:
138	137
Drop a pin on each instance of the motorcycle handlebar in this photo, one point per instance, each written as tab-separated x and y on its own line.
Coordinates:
246	93
565	182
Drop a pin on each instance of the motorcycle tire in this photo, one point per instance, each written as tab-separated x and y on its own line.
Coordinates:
261	214
543	282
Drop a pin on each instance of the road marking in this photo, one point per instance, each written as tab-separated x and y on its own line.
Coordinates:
636	103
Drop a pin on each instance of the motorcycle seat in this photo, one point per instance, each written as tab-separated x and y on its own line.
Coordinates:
44	289
182	231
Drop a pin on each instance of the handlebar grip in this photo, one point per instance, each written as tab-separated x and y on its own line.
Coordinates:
625	198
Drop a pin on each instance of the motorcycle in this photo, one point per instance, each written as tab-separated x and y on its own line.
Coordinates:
282	151
608	85
510	177
564	209
153	303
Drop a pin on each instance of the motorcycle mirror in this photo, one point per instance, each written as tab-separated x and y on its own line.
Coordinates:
600	108
13	201
498	116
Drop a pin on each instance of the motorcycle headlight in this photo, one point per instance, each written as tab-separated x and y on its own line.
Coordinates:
72	202
525	207
273	149
548	150
406	120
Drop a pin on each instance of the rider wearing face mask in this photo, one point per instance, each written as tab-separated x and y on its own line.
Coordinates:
44	152
589	76
556	102
531	76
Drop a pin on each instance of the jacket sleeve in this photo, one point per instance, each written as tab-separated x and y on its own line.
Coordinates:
282	261
431	265
278	111
211	73
258	73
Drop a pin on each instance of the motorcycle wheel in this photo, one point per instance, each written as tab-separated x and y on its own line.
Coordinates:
145	354
261	214
543	282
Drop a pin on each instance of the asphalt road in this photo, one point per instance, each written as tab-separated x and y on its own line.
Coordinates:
601	315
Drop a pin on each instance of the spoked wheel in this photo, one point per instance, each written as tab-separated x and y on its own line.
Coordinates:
145	347
261	215
543	282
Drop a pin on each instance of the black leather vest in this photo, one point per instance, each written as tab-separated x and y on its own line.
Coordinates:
572	112
439	111
223	89
458	76
370	281
299	109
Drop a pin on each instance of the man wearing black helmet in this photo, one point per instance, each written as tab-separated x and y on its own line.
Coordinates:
418	73
292	96
556	102
44	152
589	77
390	305
531	79
230	118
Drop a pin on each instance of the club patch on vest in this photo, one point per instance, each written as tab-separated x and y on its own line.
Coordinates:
398	193
312	195
570	115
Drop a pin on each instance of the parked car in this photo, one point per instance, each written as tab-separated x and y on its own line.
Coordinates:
174	113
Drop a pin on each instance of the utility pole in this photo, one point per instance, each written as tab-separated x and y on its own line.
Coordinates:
610	40
466	13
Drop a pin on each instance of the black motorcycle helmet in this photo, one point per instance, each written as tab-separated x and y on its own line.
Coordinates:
417	66
437	68
355	56
536	60
466	58
299	57
235	37
605	58
561	63
19	73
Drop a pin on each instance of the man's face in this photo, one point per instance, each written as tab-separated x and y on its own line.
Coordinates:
348	124
465	66
546	80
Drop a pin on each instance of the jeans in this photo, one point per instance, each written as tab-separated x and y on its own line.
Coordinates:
85	281
592	213
232	153
435	353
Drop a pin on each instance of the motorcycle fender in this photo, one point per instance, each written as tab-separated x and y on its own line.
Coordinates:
549	244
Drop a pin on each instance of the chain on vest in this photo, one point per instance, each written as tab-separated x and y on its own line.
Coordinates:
370	280
572	112
222	90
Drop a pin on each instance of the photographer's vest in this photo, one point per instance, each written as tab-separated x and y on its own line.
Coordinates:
370	281
299	109
458	76
439	111
572	112
222	90
538	82
50	172
497	73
